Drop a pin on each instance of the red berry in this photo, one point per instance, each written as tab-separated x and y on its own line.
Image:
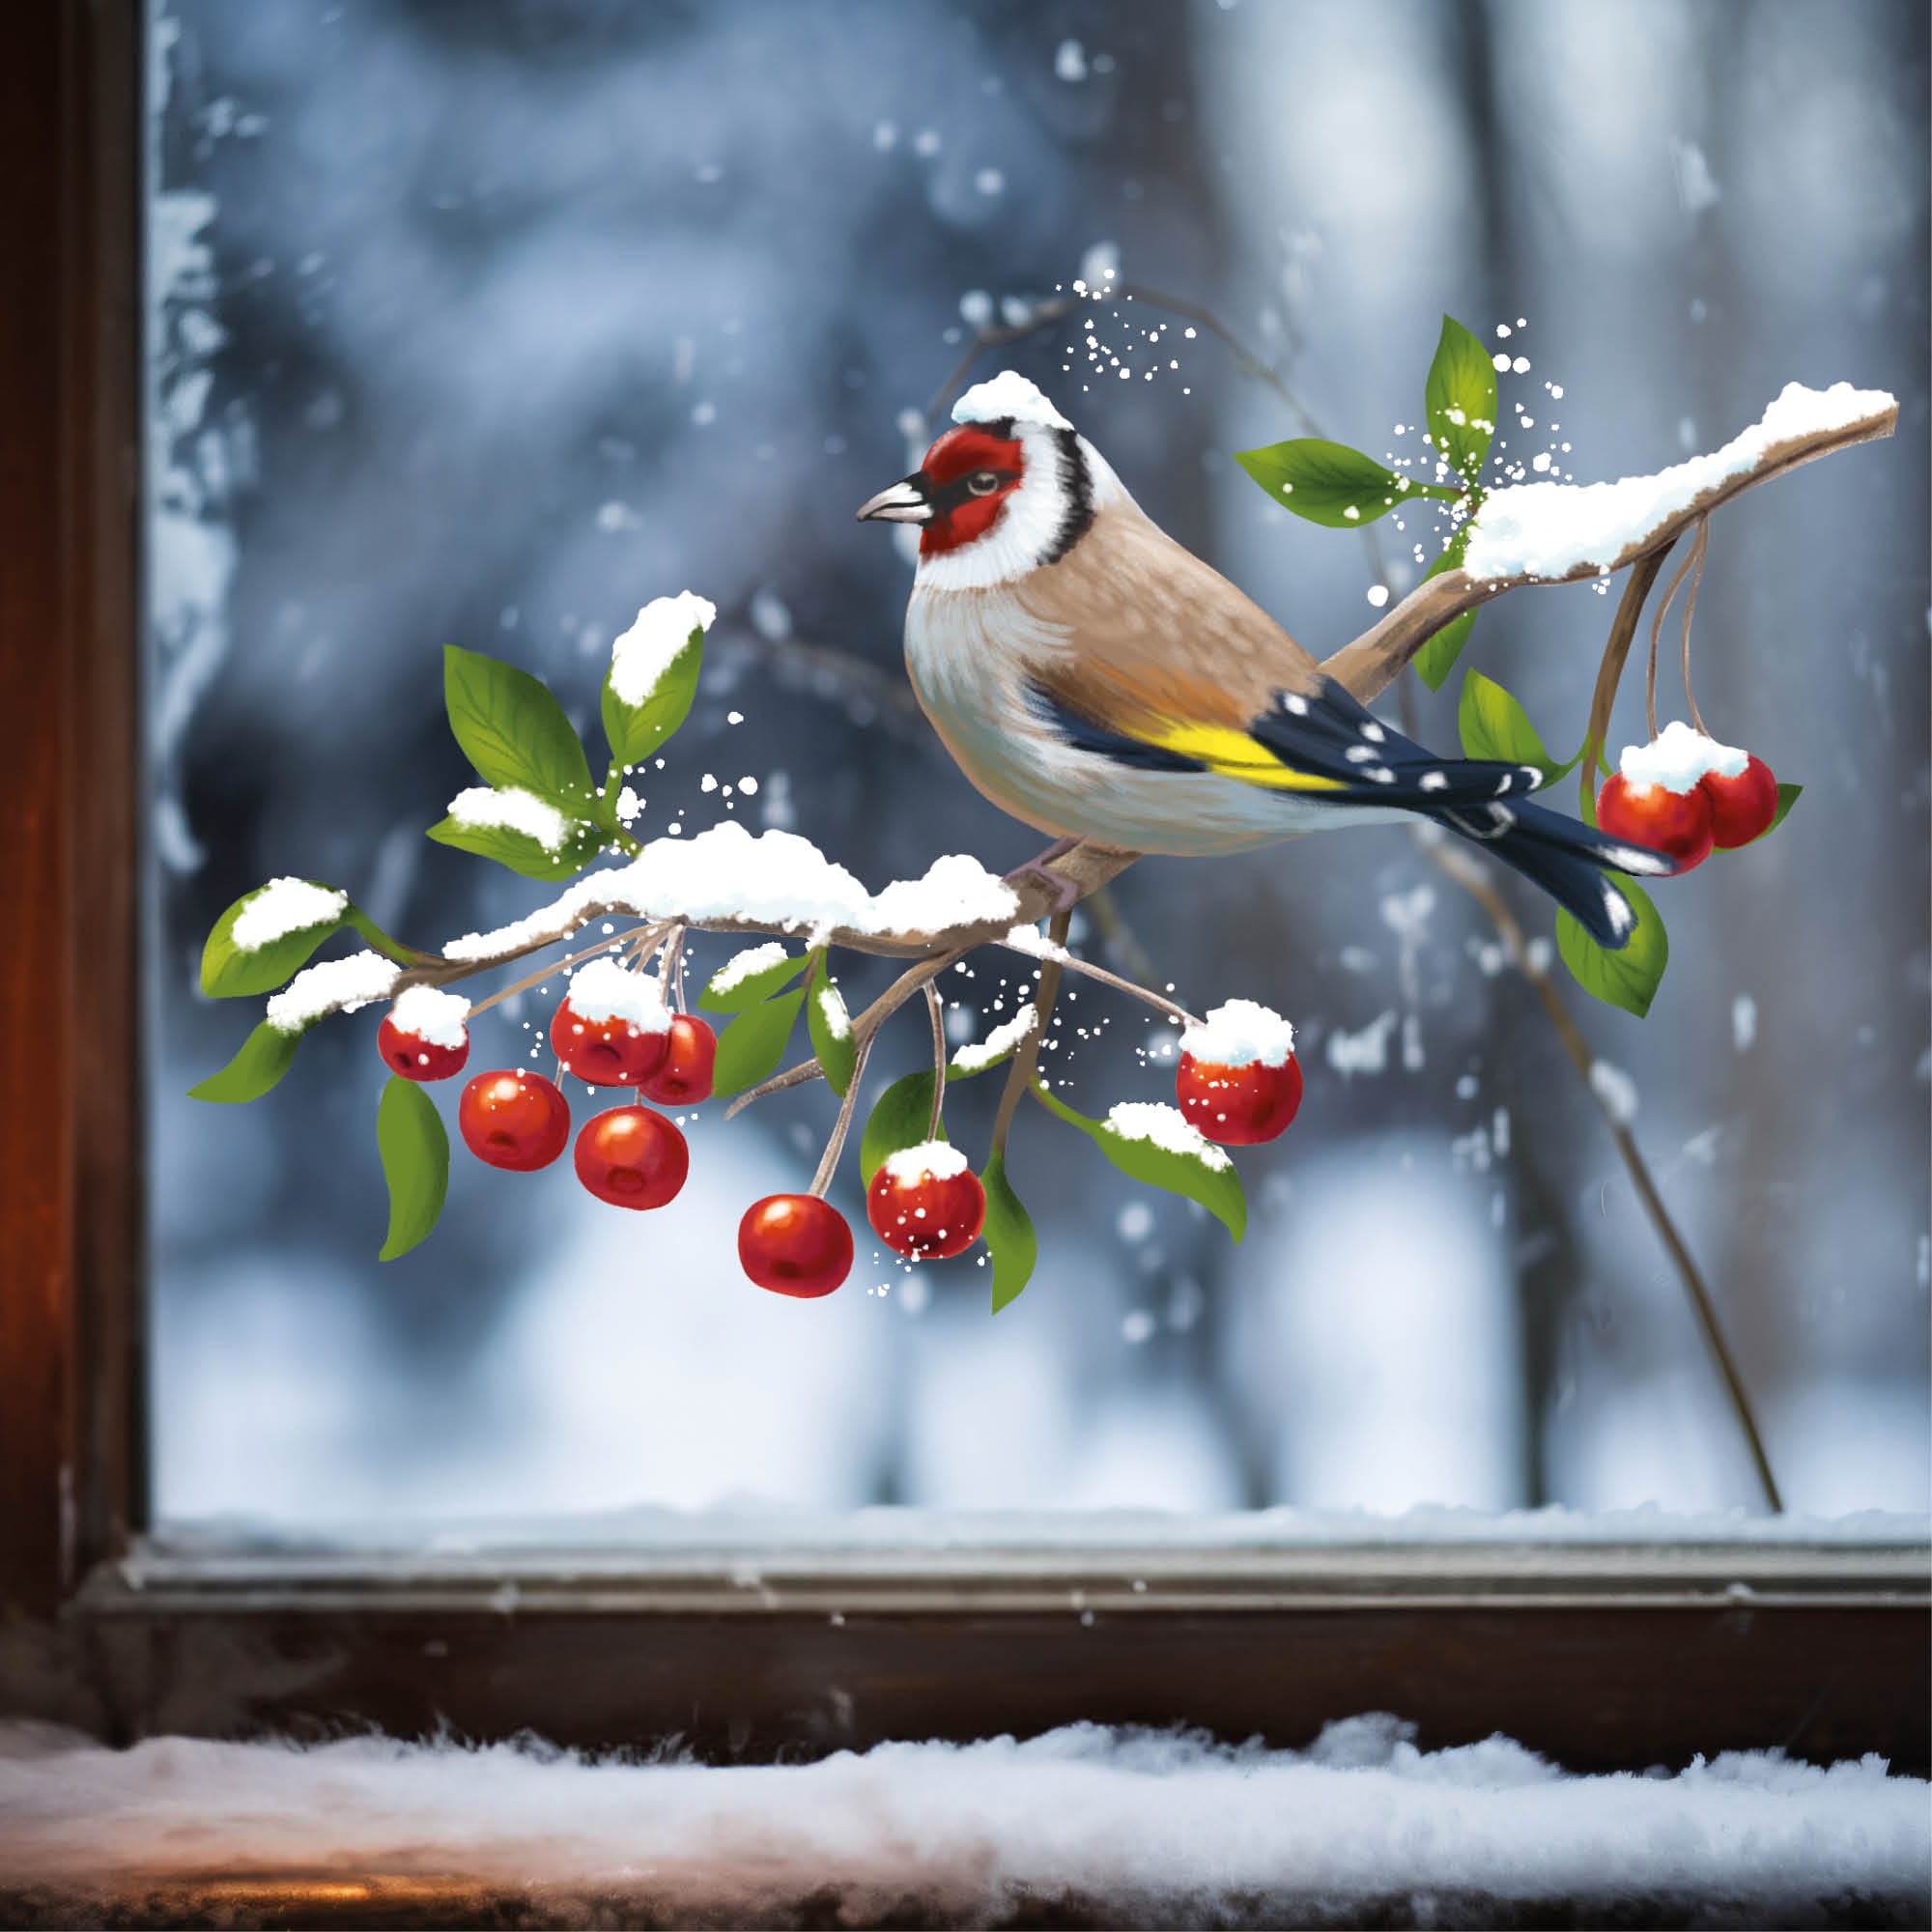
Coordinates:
1741	805
1238	1106
415	1057
795	1244
1675	823
685	1077
515	1119
632	1157
612	1051
922	1214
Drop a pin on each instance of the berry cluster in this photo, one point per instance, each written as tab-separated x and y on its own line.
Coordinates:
1684	794
614	1029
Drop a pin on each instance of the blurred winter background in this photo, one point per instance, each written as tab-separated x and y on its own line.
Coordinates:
486	322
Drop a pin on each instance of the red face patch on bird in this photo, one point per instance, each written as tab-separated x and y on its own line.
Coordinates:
968	474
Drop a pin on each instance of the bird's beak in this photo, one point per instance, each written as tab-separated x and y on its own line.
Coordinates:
903	503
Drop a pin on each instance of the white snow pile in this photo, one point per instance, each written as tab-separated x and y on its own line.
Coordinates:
977	1057
1678	756
604	990
1238	1033
1166	1128
642	654
284	907
1550	530
335	986
770	878
740	967
940	1159
832	1010
1007	394
510	809
1151	1828
429	1013
1035	944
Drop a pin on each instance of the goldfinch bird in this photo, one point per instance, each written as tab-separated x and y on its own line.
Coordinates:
1096	680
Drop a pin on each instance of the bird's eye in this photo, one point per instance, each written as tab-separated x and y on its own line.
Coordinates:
983	482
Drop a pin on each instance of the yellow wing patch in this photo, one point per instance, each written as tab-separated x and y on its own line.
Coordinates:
1231	753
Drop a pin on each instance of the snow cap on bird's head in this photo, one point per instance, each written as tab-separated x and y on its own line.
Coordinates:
1010	488
1011	397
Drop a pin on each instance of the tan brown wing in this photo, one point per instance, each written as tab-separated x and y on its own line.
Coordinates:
1156	634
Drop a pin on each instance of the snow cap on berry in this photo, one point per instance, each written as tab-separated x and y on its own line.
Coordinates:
1239	1032
430	1014
939	1160
1678	757
1007	394
604	990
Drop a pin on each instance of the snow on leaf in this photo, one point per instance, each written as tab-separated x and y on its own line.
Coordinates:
653	675
524	847
411	1138
830	1029
1145	1146
750	978
269	934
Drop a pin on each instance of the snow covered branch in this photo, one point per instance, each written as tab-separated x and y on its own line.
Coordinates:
1565	533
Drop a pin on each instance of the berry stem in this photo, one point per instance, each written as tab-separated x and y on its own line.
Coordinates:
670	970
828	1161
556	966
1655	629
1610	673
938	1015
1697	549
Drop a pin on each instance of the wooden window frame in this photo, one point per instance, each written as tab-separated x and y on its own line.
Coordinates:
1601	1657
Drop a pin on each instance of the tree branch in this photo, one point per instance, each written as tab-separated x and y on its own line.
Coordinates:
1367	667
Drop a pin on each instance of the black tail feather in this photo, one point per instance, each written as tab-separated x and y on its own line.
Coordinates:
1566	858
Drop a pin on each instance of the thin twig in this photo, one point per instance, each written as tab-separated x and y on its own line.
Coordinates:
828	1161
1170	1008
1465	870
1026	1057
938	1013
1610	673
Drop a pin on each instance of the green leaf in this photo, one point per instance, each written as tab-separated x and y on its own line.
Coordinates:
1787	797
228	971
1199	1176
898	1119
521	852
514	731
1494	726
1436	659
753	1044
410	1136
1009	1235
265	1055
1459	398
830	1027
636	730
1626	978
393	949
1325	481
752	989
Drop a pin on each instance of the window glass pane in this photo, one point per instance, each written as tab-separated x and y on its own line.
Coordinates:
484	324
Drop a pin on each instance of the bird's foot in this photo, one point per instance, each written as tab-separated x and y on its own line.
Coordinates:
1065	894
